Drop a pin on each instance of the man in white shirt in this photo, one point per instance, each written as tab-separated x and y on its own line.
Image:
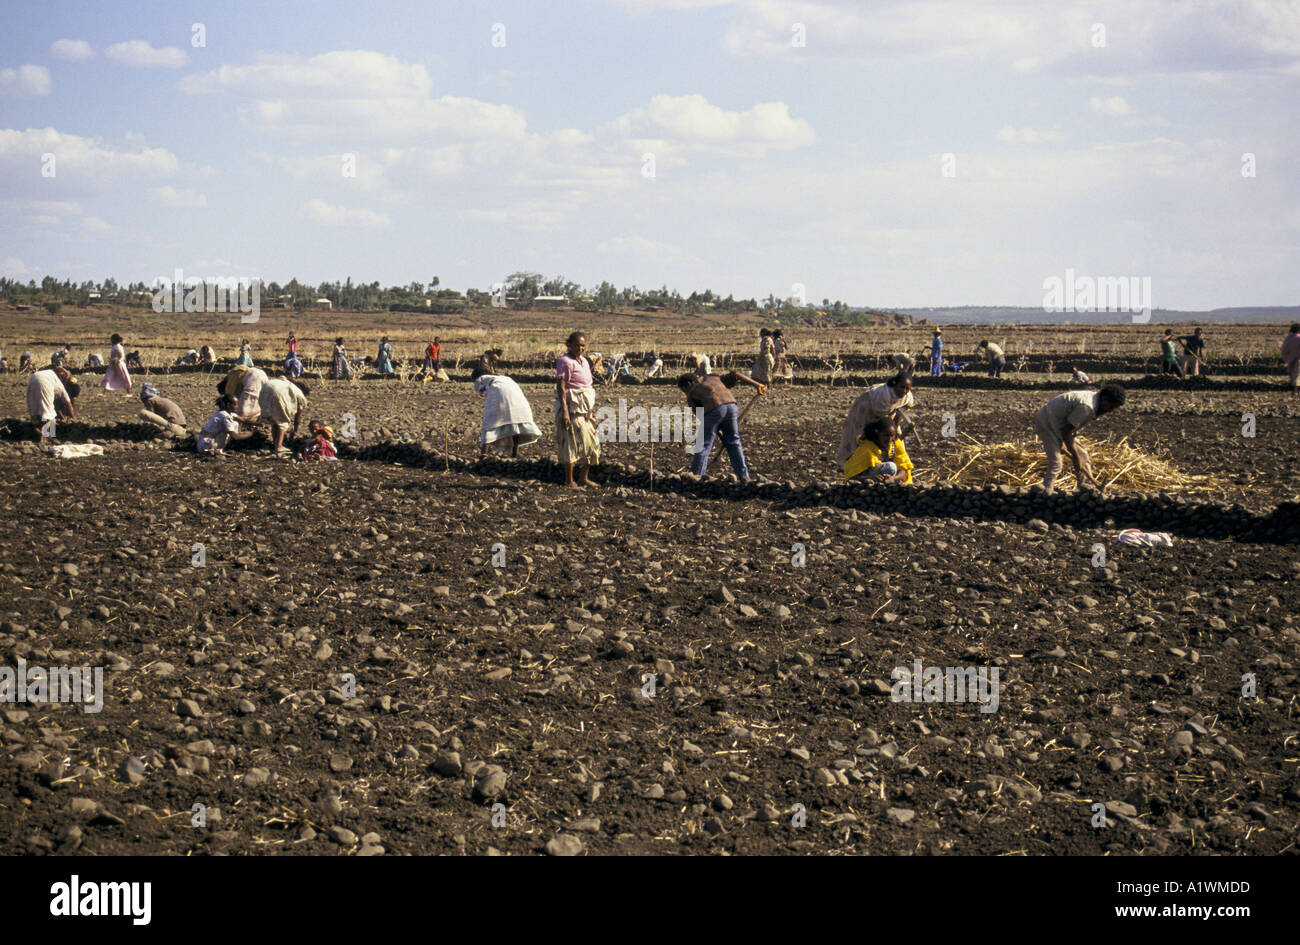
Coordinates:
1061	418
997	358
46	393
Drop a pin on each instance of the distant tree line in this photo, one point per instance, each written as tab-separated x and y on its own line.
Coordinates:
520	291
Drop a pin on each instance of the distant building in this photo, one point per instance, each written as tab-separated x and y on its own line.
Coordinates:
554	300
93	295
325	303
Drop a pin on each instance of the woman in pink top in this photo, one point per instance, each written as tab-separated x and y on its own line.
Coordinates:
116	377
575	434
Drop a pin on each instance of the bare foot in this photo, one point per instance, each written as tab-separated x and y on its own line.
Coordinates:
574	485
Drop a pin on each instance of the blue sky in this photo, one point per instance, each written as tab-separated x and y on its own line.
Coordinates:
775	163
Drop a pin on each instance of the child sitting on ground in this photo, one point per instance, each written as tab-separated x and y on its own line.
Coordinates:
221	428
322	442
880	455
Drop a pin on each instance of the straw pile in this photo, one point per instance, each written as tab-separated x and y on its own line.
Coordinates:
1115	465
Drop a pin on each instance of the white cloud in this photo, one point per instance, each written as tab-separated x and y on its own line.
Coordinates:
1142	36
97	226
690	121
72	50
13	268
81	164
1112	107
139	54
639	247
182	199
1015	135
25	82
343	74
318	211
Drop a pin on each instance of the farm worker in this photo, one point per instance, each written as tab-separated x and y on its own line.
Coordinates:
880	455
322	442
507	415
244	383
342	366
292	366
712	394
1079	377
293	343
902	362
245	354
25	361
165	414
221	428
575	399
116	377
1291	356
47	396
93	360
656	367
766	359
882	400
384	358
281	403
207	355
433	356
702	365
1193	352
1169	355
1064	416
189	357
936	353
782	367
997	359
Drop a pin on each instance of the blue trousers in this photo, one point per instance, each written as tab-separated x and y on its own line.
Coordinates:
724	420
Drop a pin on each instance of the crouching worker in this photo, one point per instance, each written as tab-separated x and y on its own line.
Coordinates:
1064	416
322	442
880	455
281	403
507	415
162	413
50	392
221	428
712	394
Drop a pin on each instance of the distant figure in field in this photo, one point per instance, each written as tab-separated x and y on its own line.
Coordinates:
160	412
116	377
322	442
1169	355
433	356
781	369
997	359
189	358
292	366
766	359
384	357
245	358
25	362
293	343
880	455
1193	352
93	360
507	415
936	353
207	355
1079	377
342	366
902	362
1064	416
890	399
700	363
655	367
1291	356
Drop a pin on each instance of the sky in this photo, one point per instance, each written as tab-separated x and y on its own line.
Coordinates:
886	153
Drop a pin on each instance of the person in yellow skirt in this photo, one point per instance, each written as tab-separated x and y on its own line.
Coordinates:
880	455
